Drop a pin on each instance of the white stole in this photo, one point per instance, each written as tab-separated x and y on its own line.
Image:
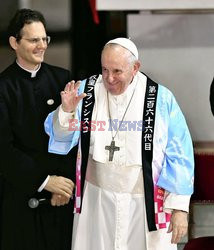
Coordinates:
130	152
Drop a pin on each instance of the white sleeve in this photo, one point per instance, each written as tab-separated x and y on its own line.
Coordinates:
43	184
176	201
63	124
65	117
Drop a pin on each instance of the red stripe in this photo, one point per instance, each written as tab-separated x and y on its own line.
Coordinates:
94	11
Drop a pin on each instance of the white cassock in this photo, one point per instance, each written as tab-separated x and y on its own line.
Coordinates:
113	210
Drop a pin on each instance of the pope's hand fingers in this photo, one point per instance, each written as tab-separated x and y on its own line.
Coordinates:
177	233
176	237
62	93
69	86
178	225
77	85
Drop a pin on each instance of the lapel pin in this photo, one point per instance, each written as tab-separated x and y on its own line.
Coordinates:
50	102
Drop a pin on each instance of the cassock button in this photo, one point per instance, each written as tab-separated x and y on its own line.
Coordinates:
50	102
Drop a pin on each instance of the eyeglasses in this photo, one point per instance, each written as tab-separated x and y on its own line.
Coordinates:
36	40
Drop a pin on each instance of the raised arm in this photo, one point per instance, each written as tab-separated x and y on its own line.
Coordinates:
57	124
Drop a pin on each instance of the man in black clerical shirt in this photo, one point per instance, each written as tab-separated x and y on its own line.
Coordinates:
29	90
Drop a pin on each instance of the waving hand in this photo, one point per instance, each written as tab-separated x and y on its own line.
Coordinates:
69	96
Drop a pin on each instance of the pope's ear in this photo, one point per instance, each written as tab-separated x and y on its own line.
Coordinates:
137	66
13	42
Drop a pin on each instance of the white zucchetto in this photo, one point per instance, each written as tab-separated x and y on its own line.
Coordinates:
126	43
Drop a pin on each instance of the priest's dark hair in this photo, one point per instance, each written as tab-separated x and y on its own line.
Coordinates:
22	17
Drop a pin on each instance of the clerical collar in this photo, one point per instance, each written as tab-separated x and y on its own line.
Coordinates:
32	72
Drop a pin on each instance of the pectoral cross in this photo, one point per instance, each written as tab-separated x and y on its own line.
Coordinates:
112	148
